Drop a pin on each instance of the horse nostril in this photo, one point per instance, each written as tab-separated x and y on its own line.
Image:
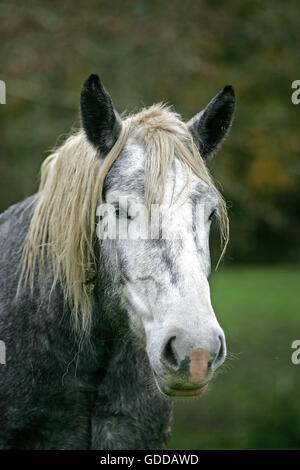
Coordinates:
221	353
168	355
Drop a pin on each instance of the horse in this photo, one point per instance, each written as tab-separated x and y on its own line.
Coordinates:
101	333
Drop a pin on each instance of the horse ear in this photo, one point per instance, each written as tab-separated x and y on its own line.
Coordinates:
100	121
210	127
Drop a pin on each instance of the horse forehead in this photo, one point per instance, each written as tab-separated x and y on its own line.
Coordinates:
127	173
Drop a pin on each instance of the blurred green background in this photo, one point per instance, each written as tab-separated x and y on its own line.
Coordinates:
183	52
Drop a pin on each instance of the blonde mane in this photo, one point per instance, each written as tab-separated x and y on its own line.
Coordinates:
63	225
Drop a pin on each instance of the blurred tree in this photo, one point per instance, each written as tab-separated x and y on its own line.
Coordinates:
179	52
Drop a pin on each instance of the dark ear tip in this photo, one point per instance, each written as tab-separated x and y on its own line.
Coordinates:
92	81
94	77
229	91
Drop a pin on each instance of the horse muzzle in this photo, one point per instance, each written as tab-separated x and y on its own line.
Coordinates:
187	366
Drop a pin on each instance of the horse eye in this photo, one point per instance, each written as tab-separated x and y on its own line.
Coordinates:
118	213
212	215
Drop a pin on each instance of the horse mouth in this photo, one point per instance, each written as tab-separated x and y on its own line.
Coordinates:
187	390
183	392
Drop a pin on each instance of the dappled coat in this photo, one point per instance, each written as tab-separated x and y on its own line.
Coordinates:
74	381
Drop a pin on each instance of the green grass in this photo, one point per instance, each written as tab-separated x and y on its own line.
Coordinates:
253	403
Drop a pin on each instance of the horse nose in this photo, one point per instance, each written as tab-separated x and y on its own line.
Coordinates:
193	360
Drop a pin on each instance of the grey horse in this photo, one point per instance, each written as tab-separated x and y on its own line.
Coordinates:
101	332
